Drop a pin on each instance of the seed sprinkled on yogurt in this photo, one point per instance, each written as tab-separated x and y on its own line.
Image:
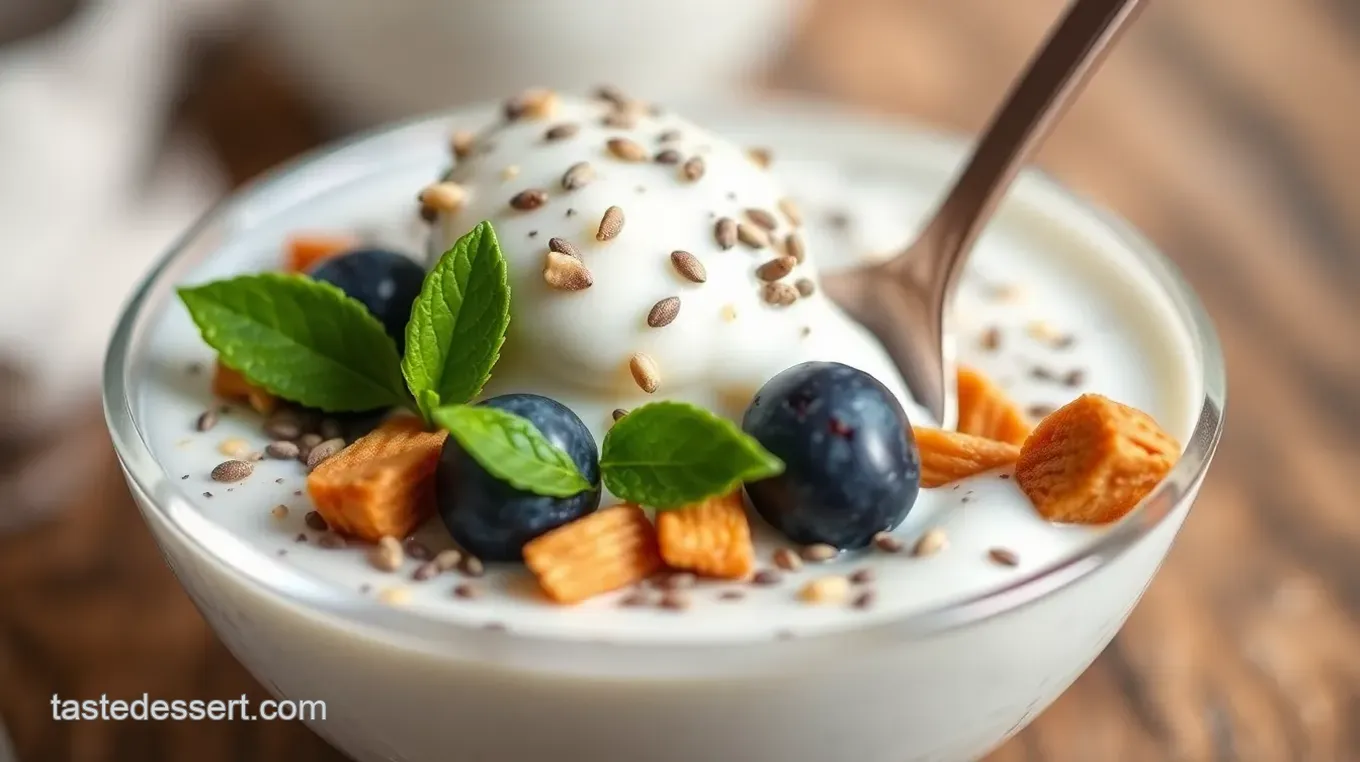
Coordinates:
676	600
1003	556
566	273
794	247
787	559
779	294
619	413
776	268
324	451
725	232
791	212
805	286
443	197
669	136
467	591
528	200
664	312
626	150
862	576
762	218
611	224
232	471
387	555
818	552
762	157
448	560
562	131
930	543
825	590
471	566
752	236
621	119
563	246
206	420
766	578
689	266
645	372
279	512
461	143
281	450
577	176
667	156
315	521
693	168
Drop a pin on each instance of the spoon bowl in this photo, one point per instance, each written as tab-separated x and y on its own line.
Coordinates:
907	301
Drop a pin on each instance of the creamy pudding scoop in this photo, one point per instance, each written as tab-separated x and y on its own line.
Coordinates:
648	258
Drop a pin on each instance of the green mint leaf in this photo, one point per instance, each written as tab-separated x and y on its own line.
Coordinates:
299	339
512	450
458	323
669	454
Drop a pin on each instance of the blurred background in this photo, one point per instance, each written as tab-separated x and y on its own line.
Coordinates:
1227	130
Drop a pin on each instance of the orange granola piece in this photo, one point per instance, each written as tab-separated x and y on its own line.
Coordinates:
986	411
712	538
609	549
229	384
305	251
382	484
1092	460
948	456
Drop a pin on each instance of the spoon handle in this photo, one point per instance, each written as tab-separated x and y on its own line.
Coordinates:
1054	77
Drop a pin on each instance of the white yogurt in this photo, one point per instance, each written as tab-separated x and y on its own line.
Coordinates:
575	346
746	680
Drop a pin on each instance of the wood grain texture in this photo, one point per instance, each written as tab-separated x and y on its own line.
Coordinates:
1224	129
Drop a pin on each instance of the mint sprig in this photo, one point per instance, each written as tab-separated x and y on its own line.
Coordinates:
299	339
669	454
458	323
513	450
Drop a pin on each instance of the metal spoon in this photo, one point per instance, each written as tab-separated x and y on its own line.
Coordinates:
907	301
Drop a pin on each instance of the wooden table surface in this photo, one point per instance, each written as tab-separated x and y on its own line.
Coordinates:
1228	130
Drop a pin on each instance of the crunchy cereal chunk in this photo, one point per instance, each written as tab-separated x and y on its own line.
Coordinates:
948	456
1092	460
609	549
381	485
986	411
231	385
305	251
712	538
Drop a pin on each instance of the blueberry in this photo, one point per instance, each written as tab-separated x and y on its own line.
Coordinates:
493	520
385	282
851	464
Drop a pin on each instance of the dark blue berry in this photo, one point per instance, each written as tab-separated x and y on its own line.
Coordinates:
851	464
385	282
493	520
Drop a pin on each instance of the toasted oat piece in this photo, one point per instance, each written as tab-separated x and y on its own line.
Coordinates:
1092	460
609	549
986	411
382	484
231	385
712	538
305	251
948	456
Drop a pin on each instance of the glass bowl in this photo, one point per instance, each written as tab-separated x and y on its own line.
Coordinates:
947	683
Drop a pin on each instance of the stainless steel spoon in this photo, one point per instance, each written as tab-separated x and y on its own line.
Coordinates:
907	301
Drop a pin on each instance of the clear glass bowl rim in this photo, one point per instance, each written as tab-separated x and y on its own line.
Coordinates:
148	478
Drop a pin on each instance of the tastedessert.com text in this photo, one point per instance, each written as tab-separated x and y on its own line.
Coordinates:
145	708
